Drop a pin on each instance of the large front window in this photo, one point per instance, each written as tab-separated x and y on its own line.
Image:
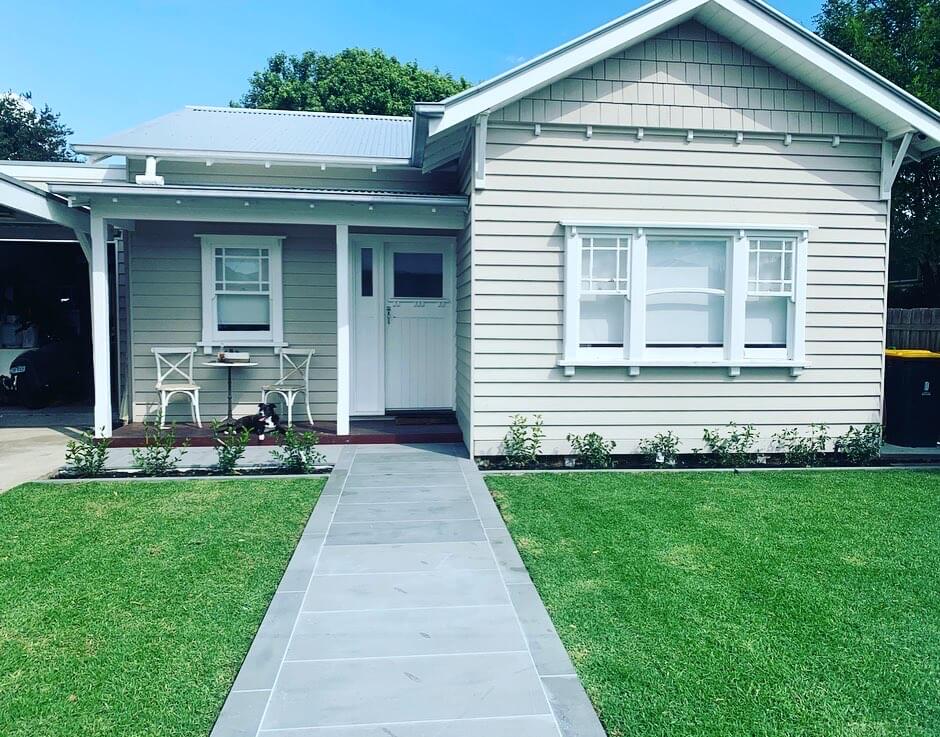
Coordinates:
683	295
241	290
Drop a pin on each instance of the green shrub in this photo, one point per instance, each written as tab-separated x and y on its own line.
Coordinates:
733	449
229	447
297	452
158	457
85	456
861	445
522	443
592	450
660	450
803	450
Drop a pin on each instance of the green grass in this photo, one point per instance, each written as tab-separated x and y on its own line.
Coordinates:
742	604
127	608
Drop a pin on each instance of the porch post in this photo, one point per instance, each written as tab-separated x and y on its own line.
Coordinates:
342	330
100	329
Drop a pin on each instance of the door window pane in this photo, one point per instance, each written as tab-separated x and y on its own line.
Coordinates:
366	272
602	320
766	321
419	275
685	319
244	312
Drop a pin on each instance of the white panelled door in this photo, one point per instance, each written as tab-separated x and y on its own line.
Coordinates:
419	326
402	324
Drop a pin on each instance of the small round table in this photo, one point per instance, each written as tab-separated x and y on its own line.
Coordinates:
229	365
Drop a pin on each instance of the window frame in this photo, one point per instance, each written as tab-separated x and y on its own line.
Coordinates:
212	337
733	354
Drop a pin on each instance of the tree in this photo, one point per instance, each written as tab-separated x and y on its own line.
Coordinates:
899	39
352	81
28	134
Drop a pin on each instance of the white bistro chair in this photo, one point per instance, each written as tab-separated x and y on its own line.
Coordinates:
294	380
175	376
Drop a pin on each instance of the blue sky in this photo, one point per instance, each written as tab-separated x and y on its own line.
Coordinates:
107	65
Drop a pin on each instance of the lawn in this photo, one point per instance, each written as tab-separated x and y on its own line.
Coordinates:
126	608
796	603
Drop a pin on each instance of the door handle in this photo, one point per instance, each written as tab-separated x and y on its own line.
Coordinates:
388	315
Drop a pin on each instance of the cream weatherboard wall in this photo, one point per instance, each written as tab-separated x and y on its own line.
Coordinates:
165	297
535	181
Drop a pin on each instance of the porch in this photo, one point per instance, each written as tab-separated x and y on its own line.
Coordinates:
406	429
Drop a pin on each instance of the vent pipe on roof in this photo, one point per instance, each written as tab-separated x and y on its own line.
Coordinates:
150	174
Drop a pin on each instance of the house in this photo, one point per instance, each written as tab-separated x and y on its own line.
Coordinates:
677	220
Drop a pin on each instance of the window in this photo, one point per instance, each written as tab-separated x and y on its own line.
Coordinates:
678	295
605	288
418	275
241	290
365	272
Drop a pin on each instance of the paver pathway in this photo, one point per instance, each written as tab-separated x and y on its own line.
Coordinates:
406	612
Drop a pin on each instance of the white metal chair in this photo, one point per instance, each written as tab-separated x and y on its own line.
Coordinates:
294	380
175	376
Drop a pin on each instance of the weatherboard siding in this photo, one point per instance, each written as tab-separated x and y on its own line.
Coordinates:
534	182
166	311
687	77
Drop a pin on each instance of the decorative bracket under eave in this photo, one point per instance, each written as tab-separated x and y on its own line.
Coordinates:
891	162
479	151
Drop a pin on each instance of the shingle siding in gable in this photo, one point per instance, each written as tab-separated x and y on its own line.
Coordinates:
687	77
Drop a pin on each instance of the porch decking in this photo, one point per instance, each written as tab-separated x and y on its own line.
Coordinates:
365	431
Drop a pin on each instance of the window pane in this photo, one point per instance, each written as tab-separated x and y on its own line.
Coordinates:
366	272
242	269
602	320
605	267
698	264
685	319
244	312
766	321
419	275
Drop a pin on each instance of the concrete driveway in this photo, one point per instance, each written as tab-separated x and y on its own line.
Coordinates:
29	453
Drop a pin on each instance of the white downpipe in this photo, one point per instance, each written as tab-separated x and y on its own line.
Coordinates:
342	330
100	329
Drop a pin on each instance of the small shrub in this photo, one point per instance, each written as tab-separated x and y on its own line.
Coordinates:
660	450
592	450
802	450
158	457
733	449
85	456
523	441
230	447
297	452
861	445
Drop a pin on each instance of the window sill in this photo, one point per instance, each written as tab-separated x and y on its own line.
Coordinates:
209	345
733	367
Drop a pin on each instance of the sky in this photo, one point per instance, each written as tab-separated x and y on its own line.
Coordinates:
108	65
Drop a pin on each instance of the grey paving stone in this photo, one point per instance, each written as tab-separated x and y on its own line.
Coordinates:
241	714
507	556
415	493
332	693
302	562
572	707
405	557
549	654
534	726
406	511
331	635
404	590
365	468
363	533
267	650
319	521
401	480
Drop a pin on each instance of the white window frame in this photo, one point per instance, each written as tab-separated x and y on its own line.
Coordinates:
212	337
733	354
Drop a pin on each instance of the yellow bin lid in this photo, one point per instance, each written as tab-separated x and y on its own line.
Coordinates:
910	353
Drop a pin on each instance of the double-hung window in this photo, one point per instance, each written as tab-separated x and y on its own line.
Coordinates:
241	291
684	295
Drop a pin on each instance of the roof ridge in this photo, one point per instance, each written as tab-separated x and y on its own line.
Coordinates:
299	113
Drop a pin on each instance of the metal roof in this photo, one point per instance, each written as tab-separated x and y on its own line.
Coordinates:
279	134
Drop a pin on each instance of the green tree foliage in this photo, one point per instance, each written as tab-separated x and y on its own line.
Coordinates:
352	81
28	134
899	39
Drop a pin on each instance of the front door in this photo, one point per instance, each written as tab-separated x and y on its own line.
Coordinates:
402	323
419	326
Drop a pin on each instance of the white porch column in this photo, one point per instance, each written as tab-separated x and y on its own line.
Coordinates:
100	329
342	329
